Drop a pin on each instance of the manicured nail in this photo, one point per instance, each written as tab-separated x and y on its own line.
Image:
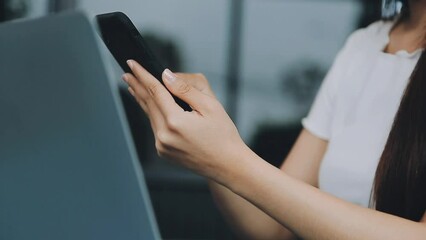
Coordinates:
169	76
131	91
130	63
124	77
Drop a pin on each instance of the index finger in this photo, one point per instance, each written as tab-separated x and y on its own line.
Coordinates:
158	93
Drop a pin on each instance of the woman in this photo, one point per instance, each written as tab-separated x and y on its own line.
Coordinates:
359	138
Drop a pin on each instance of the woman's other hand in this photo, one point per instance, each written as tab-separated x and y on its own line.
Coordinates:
204	140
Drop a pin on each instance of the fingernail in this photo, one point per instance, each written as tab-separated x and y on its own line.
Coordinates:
131	91
124	77
130	63
169	76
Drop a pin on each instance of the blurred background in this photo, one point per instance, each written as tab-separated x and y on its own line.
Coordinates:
265	60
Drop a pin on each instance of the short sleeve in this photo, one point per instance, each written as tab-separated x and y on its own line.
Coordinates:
319	120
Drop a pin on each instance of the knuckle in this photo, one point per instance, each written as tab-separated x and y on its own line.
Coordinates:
160	148
161	138
172	123
153	89
164	139
201	77
184	88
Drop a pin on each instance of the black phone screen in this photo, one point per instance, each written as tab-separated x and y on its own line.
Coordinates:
125	42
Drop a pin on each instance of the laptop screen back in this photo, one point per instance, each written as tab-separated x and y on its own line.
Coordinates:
68	169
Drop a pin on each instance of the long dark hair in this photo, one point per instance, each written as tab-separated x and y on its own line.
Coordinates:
400	181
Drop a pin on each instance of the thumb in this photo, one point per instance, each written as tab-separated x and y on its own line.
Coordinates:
179	87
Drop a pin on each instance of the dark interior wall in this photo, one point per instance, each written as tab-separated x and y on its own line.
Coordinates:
371	11
9	11
2	10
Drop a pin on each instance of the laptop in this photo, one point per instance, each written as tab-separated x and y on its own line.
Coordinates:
68	167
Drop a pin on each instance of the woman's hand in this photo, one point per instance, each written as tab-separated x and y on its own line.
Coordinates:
207	141
204	140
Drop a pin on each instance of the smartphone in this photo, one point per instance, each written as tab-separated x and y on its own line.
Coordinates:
125	42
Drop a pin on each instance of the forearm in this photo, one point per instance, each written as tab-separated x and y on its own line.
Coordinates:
310	213
189	137
246	219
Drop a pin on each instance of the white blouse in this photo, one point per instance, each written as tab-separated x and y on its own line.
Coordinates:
355	108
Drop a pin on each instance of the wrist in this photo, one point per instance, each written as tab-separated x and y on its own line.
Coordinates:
244	166
232	162
253	177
